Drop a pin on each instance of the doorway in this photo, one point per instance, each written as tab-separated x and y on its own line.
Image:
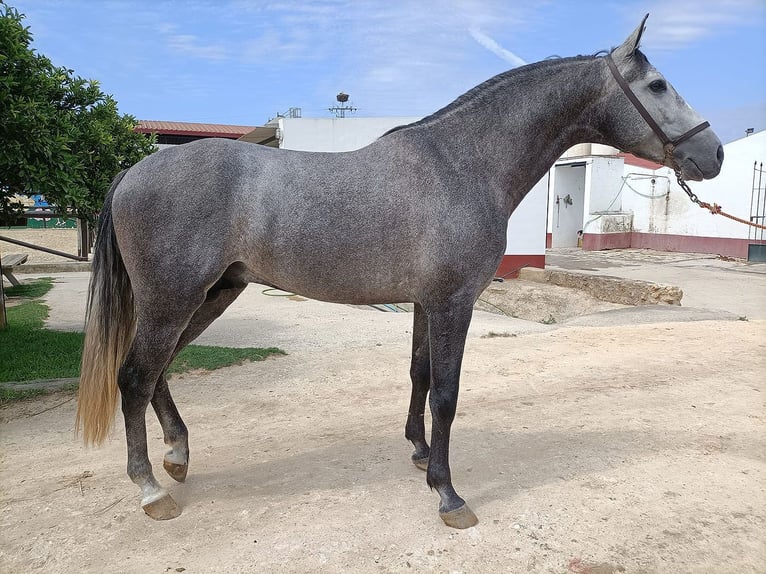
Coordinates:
567	204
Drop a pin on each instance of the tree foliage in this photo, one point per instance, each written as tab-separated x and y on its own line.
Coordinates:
60	135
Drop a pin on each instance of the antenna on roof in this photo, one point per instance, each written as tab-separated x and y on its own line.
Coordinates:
340	110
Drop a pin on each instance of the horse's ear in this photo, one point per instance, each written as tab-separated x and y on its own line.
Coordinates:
630	45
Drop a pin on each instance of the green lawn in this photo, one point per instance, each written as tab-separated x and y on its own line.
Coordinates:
29	351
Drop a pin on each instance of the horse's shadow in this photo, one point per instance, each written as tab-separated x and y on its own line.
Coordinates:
487	465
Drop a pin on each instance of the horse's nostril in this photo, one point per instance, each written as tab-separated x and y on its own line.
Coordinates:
719	154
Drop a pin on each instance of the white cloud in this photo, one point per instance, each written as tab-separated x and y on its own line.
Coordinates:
682	22
191	45
496	48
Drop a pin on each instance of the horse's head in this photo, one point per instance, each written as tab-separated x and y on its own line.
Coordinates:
647	117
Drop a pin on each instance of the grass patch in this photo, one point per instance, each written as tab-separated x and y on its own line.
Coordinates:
33	290
10	395
195	357
29	351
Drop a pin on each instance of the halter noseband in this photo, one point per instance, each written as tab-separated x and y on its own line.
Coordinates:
668	144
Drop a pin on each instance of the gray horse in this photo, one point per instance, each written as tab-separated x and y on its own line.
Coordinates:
420	216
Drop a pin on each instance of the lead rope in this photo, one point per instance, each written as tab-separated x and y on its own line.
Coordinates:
714	209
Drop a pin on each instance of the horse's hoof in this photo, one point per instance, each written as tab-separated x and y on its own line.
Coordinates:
462	517
176	471
164	508
421	463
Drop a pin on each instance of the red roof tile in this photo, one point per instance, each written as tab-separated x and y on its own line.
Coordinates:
631	159
192	129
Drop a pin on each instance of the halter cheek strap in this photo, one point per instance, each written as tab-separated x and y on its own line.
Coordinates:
666	141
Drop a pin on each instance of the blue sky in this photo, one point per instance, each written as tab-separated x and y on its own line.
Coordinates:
242	62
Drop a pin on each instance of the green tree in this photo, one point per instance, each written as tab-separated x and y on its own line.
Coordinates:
61	135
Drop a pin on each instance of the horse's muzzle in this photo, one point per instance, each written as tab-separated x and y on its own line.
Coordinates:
699	160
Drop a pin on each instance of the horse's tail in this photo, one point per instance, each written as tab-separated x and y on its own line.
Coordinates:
109	331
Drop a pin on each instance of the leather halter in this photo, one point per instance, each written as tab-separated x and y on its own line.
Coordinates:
668	144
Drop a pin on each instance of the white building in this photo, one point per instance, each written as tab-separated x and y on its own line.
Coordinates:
334	134
602	199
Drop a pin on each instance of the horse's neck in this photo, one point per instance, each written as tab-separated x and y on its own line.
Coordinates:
515	134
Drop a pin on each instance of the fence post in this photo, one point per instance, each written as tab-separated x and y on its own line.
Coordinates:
83	238
3	318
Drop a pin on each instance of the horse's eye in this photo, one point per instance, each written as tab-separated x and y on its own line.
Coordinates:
658	86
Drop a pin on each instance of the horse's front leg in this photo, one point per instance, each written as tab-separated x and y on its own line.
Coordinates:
447	328
420	374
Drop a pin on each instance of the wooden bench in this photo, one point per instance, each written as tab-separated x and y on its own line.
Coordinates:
10	262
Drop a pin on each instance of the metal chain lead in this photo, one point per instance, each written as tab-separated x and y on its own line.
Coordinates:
670	161
687	189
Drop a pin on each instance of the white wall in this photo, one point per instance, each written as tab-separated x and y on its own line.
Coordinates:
605	173
334	134
526	227
653	198
732	188
676	214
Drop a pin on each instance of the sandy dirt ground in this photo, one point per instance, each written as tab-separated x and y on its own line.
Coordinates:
589	450
60	239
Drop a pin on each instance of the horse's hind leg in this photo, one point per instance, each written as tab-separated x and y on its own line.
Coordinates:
176	436
161	332
176	460
156	338
420	374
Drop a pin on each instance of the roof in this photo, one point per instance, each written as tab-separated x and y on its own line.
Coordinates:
264	135
192	129
631	159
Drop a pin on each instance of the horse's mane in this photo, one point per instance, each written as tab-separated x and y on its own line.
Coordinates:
487	87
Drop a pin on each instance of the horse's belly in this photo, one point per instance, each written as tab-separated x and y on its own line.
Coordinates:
323	279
